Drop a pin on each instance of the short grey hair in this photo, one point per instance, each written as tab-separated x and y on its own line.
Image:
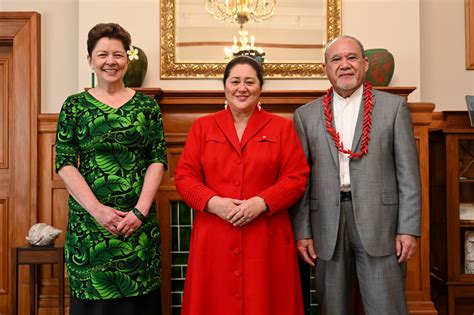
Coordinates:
358	42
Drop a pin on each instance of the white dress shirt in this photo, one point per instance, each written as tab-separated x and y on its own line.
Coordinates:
346	112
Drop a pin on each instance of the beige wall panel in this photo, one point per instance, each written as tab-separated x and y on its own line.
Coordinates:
444	78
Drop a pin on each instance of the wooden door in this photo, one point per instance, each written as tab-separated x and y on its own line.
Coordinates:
19	103
6	168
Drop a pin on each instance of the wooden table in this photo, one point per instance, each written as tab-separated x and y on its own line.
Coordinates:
34	256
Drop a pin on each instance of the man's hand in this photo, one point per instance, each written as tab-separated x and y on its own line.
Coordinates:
306	250
405	245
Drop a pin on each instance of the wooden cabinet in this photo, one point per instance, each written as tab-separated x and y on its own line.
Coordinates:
452	215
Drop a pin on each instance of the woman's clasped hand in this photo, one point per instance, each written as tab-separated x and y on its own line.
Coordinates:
237	212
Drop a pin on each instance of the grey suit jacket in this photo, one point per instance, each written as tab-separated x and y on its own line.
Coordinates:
385	183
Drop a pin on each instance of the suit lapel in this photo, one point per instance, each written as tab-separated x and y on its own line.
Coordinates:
360	125
332	145
225	121
256	122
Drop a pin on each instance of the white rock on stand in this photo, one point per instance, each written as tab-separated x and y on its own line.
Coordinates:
42	234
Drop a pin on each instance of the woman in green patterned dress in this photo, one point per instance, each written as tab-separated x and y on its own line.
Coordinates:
111	154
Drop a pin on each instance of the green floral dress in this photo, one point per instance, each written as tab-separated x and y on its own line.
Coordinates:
115	148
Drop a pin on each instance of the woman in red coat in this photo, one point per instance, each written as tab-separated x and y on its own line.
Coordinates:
241	169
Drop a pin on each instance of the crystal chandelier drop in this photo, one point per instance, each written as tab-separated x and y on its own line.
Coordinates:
241	11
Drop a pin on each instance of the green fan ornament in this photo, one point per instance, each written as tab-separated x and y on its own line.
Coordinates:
137	67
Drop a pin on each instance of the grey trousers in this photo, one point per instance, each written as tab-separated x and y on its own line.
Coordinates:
380	279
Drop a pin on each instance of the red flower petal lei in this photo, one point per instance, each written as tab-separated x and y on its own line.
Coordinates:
368	106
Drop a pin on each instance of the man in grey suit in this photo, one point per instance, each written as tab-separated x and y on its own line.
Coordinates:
361	211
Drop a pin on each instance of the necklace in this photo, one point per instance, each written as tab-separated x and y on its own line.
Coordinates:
368	106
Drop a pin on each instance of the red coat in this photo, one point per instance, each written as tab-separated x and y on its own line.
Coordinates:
250	270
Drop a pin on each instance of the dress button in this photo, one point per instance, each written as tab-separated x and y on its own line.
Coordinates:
237	296
236	251
236	228
238	161
237	273
237	183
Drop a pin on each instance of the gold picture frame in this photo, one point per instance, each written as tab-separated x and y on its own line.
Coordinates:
170	69
469	11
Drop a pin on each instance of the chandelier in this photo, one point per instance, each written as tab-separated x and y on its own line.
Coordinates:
246	48
241	11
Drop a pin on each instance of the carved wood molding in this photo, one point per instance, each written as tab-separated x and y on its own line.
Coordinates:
421	113
275	97
452	121
4	102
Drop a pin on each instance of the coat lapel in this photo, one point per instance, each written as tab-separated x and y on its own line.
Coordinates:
332	145
256	122
226	123
360	125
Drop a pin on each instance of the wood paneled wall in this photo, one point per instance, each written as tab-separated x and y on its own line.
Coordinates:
179	109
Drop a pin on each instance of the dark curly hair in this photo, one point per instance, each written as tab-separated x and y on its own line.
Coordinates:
244	60
109	30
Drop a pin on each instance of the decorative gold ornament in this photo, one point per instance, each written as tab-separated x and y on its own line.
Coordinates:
241	11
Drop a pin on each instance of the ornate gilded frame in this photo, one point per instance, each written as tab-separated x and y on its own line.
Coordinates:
170	69
469	12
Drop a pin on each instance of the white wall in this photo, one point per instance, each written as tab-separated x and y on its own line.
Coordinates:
390	24
445	80
59	47
354	22
410	29
139	17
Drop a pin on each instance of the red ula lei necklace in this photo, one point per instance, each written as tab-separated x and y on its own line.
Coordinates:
368	106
